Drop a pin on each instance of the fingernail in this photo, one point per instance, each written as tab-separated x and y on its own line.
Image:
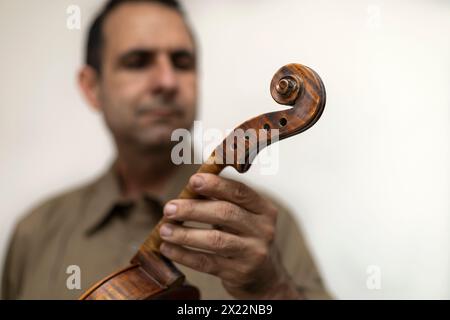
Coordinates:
197	181
170	209
165	230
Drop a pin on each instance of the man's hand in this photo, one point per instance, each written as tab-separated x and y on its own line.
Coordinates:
240	250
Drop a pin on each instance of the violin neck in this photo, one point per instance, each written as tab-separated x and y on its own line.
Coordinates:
150	248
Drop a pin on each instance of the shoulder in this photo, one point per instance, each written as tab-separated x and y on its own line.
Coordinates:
290	237
31	233
295	251
50	211
287	220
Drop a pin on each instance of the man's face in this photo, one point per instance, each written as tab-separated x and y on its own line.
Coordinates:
148	80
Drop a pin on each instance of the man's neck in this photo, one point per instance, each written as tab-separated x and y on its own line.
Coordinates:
144	172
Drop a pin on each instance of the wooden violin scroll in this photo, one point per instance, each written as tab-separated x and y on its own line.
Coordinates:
151	275
292	85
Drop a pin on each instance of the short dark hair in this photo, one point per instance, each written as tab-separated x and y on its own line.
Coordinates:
95	40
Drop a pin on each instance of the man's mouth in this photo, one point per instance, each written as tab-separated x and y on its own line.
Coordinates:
159	113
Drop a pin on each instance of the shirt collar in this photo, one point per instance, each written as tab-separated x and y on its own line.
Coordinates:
104	194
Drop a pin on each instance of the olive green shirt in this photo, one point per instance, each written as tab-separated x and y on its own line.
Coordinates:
97	230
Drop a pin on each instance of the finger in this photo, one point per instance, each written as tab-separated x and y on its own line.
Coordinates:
213	186
200	261
219	242
225	214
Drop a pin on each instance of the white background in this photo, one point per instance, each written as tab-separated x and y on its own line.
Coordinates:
369	182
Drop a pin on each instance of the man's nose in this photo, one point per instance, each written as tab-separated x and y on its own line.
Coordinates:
165	77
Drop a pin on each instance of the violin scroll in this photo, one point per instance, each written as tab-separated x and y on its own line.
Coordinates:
292	85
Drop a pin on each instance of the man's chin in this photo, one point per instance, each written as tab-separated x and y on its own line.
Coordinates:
158	139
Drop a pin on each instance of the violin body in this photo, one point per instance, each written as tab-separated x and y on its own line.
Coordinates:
152	276
134	283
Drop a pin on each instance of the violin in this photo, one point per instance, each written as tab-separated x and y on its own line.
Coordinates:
150	275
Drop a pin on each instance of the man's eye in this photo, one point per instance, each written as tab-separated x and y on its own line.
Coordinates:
183	60
137	61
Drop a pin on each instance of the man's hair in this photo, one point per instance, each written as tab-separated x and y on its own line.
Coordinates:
95	38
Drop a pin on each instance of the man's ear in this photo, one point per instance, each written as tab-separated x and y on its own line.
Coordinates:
89	82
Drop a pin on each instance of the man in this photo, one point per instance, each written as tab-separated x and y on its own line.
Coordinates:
140	74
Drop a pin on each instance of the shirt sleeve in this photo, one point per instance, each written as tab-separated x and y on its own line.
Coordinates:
297	257
14	264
